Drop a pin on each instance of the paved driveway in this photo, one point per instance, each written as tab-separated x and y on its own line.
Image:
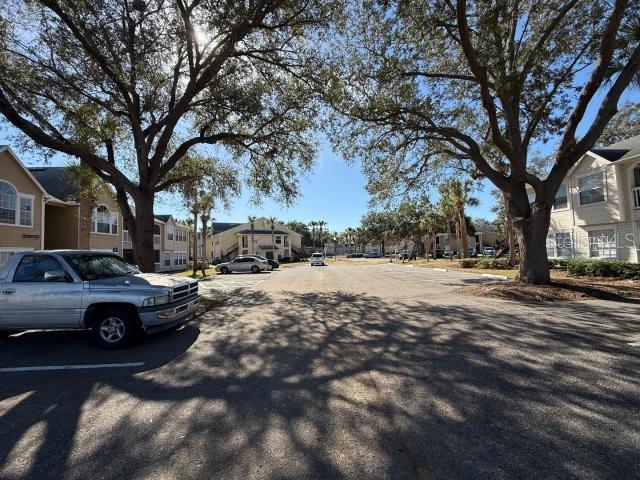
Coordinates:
338	372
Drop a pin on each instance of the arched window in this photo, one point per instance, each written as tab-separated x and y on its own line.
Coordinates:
8	198
104	221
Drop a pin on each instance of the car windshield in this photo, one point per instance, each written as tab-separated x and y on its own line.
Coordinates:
317	255
94	267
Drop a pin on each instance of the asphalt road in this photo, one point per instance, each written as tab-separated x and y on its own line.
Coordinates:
336	372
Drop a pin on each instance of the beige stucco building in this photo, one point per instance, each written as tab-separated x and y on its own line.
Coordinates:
228	240
170	244
41	208
597	209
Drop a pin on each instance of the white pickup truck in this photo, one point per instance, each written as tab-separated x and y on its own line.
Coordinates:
74	289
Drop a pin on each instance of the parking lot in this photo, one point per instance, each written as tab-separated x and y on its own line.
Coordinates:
373	371
233	281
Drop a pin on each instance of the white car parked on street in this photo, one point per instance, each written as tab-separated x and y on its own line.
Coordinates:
317	259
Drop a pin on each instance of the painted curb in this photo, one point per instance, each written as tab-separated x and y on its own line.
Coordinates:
440	269
494	277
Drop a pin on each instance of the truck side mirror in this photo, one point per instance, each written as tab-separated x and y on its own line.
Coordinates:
55	276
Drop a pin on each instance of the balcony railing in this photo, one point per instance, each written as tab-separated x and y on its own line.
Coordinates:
635	193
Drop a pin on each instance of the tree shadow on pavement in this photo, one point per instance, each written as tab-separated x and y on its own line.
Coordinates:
332	385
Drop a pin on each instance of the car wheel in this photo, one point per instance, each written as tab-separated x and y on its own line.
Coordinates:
116	328
224	270
255	269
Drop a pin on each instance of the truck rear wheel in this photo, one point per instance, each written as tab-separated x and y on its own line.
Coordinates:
116	328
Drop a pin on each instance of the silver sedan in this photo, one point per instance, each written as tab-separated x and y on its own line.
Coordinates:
243	264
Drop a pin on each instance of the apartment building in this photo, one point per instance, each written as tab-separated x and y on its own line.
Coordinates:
596	213
228	240
170	244
41	208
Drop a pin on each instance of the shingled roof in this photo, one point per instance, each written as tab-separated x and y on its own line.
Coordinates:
629	147
57	182
219	227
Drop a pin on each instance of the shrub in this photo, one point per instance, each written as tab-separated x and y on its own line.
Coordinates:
468	263
493	263
558	263
354	255
487	263
603	268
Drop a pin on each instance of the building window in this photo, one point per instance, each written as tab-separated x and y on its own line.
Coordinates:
8	196
169	232
180	258
561	200
531	196
278	240
104	221
636	177
244	242
602	243
26	211
591	189
125	236
559	245
181	235
167	259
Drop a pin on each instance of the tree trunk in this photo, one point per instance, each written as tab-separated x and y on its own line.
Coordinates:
194	266
509	226
205	255
464	238
531	233
142	237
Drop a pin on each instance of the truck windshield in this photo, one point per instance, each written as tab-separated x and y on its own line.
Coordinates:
93	267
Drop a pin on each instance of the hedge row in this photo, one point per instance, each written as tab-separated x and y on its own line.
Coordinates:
354	255
577	267
488	263
603	268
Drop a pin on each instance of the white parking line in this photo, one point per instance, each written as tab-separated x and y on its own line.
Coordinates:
42	368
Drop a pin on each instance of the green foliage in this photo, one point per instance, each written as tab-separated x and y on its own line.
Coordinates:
603	268
485	263
625	124
301	228
558	263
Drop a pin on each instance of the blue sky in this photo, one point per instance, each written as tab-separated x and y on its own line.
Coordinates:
334	191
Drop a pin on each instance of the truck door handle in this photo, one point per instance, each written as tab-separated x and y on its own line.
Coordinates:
8	291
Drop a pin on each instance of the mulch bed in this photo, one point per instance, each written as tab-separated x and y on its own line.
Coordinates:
565	289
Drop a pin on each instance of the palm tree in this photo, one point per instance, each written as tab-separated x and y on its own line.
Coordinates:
431	223
349	234
321	224
272	221
454	195
313	224
252	221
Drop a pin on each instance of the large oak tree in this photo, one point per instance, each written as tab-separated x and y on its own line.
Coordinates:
130	87
423	86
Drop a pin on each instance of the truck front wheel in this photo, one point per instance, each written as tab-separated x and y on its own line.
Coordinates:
115	328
